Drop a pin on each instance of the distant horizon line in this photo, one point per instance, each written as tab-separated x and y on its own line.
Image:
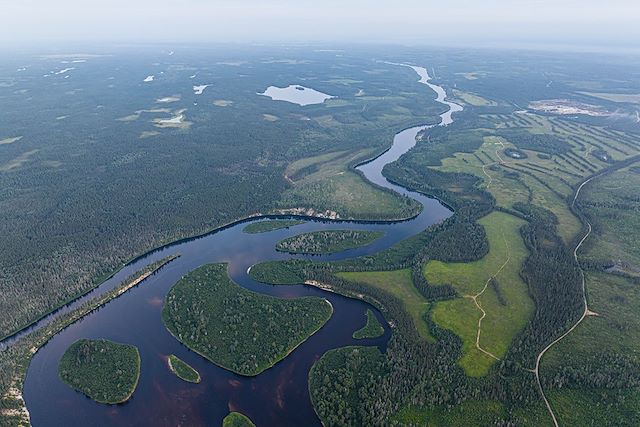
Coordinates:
587	47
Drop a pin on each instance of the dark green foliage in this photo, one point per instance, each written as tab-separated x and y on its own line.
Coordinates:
97	194
339	383
237	329
544	143
264	226
495	287
182	369
322	242
372	329
236	419
105	371
554	283
290	272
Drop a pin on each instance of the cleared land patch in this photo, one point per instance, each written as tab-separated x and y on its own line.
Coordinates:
399	284
326	182
495	282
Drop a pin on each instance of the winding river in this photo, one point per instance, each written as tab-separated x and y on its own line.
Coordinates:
278	396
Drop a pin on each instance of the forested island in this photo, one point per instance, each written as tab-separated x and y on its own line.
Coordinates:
232	327
104	370
265	226
182	369
236	419
322	242
489	318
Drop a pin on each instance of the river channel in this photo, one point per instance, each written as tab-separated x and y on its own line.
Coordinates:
278	396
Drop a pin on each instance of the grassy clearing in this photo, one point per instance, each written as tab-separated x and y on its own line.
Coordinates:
105	371
236	419
399	284
473	99
372	329
326	183
509	183
506	301
324	242
182	369
237	329
265	226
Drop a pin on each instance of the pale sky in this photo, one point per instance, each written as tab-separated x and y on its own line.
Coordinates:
599	22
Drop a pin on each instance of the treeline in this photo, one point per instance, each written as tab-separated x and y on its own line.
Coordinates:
526	140
554	282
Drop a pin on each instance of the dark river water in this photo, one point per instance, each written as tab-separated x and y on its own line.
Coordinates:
278	396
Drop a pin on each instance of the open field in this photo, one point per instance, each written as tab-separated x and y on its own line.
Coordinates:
237	329
104	370
546	176
399	284
505	299
327	183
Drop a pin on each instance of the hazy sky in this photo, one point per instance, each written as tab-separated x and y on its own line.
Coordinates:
590	22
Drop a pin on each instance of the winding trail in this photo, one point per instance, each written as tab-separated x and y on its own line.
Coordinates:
585	312
479	294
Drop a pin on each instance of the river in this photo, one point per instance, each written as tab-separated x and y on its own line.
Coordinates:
278	396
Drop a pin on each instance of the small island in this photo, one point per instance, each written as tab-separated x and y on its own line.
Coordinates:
105	371
265	226
236	419
182	369
372	329
239	330
324	242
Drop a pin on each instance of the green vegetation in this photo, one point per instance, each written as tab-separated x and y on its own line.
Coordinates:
15	359
372	329
323	242
398	283
105	371
336	382
182	369
237	329
471	413
95	203
277	273
495	283
612	205
236	419
265	226
594	373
